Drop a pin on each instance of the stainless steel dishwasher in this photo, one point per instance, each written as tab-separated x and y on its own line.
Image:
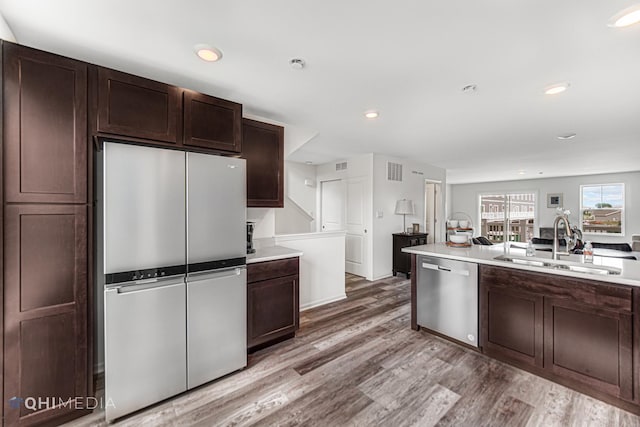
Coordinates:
447	297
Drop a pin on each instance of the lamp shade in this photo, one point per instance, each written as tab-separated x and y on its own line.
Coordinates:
404	207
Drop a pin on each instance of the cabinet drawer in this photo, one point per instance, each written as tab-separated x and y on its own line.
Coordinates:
272	269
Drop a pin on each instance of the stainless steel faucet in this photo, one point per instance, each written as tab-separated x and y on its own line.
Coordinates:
564	216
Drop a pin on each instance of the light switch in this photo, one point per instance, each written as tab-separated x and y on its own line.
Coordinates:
379	214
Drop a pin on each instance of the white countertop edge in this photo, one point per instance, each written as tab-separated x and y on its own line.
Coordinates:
272	253
488	255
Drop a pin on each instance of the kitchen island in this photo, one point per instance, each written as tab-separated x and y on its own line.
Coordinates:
574	323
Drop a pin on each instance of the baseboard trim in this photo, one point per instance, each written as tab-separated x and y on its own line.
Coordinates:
322	302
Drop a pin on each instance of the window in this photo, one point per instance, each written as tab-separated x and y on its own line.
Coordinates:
602	209
514	213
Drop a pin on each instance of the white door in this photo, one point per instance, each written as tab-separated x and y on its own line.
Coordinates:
332	202
356	226
433	202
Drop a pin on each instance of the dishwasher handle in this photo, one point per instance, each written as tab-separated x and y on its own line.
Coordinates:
445	269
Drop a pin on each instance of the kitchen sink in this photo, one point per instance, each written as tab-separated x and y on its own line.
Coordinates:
523	261
559	265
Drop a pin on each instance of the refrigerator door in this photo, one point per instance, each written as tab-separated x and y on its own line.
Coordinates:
145	341
216	208
144	214
216	324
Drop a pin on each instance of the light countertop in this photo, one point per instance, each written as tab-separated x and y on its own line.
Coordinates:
630	269
272	253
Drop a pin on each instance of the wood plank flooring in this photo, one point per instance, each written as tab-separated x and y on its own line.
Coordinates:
356	362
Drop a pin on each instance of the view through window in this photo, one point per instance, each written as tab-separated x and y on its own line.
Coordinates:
513	212
602	208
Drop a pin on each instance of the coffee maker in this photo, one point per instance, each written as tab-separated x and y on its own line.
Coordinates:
250	227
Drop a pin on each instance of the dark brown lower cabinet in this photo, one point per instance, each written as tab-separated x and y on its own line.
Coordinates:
273	305
576	332
45	312
513	325
590	345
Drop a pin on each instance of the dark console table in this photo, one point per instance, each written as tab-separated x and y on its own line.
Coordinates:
402	261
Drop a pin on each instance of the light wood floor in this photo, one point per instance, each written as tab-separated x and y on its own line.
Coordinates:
356	362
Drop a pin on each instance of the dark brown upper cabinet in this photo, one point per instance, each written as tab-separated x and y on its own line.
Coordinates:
137	107
263	148
212	123
45	127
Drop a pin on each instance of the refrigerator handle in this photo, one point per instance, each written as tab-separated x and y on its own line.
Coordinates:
143	285
216	274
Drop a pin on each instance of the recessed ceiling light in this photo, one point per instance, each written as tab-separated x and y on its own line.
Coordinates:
308	162
566	136
371	114
626	17
521	172
297	63
555	89
207	53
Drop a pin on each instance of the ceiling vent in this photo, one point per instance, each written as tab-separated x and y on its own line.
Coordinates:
394	171
341	166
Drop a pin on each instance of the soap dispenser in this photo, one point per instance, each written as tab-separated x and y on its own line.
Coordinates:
531	251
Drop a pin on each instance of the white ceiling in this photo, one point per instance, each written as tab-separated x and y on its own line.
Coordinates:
409	59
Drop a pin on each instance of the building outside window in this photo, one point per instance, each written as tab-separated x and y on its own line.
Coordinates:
602	209
514	212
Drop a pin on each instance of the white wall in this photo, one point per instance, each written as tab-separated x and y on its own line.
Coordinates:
265	222
299	212
464	198
297	190
292	219
5	31
321	266
385	195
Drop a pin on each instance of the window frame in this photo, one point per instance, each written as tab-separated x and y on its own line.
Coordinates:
622	210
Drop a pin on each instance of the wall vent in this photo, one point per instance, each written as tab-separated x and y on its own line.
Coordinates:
341	166
394	171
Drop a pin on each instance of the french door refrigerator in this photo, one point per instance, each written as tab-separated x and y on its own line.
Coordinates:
173	266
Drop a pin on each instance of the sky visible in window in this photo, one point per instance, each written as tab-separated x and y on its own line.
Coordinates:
611	194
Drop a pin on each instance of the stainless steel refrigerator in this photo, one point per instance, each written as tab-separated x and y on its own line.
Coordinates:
172	253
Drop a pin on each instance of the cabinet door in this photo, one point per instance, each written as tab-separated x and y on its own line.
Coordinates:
137	107
272	309
45	128
590	345
512	325
263	148
212	122
636	344
45	309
